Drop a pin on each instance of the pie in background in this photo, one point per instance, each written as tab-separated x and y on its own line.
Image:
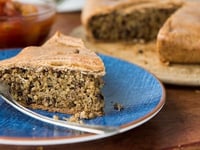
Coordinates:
126	20
178	40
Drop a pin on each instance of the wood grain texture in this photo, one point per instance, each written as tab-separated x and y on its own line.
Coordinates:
175	127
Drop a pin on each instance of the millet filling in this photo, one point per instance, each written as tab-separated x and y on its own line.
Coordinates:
55	90
129	26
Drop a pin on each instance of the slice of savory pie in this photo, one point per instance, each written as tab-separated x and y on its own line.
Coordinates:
60	76
114	20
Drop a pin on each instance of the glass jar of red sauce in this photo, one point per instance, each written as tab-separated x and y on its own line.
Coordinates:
25	22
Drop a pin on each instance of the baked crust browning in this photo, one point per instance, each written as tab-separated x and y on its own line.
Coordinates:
178	39
61	52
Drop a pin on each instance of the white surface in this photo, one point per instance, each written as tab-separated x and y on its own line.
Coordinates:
70	5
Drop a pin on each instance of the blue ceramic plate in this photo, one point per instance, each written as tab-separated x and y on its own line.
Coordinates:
141	94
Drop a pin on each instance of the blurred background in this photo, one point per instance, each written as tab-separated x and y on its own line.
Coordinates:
69	5
29	22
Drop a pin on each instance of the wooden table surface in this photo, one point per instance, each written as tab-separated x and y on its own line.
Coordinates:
177	125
